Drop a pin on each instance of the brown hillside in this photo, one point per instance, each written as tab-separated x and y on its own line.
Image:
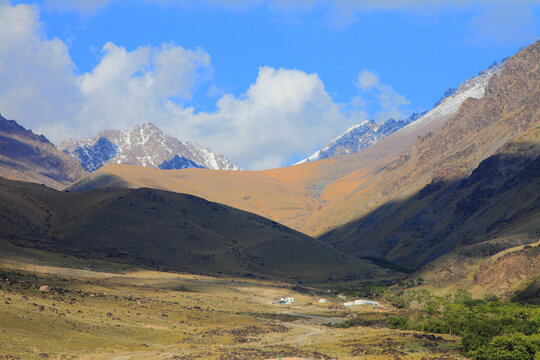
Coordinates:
172	231
505	272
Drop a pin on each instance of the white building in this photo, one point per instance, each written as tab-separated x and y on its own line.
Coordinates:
322	301
362	302
284	300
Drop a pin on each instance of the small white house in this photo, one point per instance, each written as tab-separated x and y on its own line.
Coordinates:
322	301
362	302
284	300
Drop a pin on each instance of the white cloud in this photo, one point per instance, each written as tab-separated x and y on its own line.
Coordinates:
367	79
36	75
283	112
127	88
390	104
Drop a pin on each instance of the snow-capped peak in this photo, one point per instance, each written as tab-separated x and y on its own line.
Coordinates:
146	145
359	137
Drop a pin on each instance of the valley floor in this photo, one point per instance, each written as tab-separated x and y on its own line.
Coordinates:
106	311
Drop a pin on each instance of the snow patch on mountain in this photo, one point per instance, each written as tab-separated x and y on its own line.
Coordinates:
358	137
472	88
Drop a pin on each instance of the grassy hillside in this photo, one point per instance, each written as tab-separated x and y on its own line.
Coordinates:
171	231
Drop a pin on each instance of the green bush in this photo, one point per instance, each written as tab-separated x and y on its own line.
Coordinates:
398	323
490	328
515	346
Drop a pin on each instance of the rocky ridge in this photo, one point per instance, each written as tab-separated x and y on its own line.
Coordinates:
29	157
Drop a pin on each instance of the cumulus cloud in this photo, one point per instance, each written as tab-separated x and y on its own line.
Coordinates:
283	111
126	88
37	81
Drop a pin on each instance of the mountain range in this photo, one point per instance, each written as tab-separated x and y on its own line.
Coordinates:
461	179
146	145
450	195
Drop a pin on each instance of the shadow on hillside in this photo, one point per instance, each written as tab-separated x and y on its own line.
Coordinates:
499	200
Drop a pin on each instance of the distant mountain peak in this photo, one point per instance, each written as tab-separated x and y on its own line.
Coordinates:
146	145
359	136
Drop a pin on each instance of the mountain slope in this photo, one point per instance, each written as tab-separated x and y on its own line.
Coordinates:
146	145
498	135
172	231
30	157
179	162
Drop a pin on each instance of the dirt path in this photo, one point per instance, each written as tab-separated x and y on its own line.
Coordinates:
309	329
306	335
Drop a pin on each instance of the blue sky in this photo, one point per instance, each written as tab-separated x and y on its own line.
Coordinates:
263	82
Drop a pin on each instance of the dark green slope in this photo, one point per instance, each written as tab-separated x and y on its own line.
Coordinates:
168	230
